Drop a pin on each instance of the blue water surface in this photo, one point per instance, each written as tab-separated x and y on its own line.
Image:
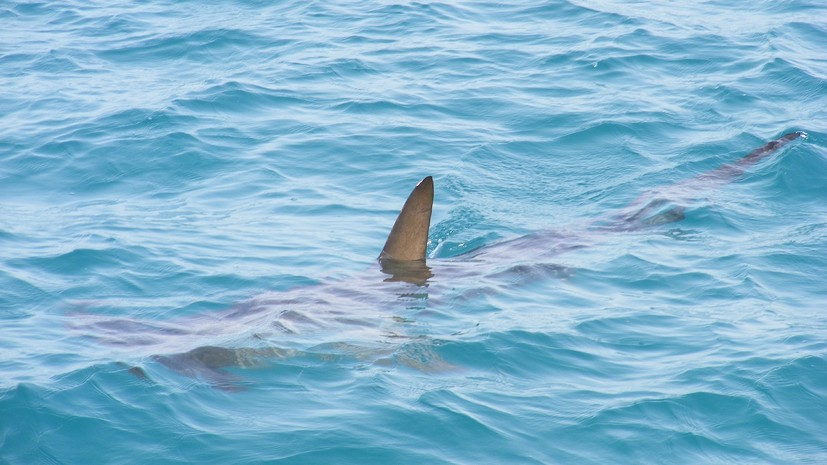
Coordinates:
193	195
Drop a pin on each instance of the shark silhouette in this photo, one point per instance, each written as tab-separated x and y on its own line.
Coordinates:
266	321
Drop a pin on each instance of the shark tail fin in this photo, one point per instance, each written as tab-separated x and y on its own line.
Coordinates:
770	147
408	238
732	170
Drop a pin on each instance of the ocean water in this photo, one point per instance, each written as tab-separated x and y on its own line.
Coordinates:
193	195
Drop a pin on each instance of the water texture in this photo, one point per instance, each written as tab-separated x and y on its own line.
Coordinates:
192	197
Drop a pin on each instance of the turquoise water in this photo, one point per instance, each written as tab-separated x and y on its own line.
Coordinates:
193	196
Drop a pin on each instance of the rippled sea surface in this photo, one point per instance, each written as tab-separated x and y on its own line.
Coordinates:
193	195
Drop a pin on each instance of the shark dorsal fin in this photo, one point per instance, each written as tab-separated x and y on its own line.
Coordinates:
409	236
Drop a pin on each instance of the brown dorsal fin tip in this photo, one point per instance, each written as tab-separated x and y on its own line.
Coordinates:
409	236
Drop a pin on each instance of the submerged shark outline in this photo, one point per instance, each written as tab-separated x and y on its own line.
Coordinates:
403	259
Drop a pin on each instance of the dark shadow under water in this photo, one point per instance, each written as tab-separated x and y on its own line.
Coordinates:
363	318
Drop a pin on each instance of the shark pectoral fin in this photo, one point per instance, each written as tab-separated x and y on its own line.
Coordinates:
208	363
409	236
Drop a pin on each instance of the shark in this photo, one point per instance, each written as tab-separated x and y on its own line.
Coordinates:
290	324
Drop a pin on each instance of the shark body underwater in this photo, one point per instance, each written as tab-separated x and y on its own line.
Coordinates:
290	324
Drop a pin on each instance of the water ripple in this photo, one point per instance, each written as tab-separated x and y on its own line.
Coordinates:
193	197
